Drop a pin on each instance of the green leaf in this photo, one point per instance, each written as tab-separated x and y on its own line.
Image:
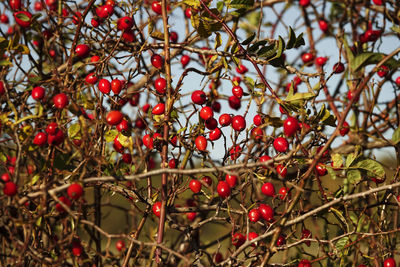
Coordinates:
253	48
337	160
279	47
374	169
204	24
299	41
124	140
239	4
292	38
192	3
331	172
110	135
73	130
396	136
218	40
4	43
395	29
5	62
23	17
353	176
274	121
299	97
350	159
157	35
370	58
267	51
342	242
325	117
35	179
249	39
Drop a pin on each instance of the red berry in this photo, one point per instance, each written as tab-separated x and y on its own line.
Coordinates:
2	88
105	11
116	86
281	170
382	71
264	159
201	143
114	117
281	144
267	213
75	191
206	113
216	106
338	67
251	236
38	93
235	152
160	84
304	263
281	241
60	100
172	163
238	123
64	200
389	262
215	134
56	139
156	7
77	18
290	126
148	141
350	95
320	61
378	2
5	177
91	78
307	57
321	169
345	129
40	139
207	180
173	36
241	69
128	36
124	23
238	239
94	59
211	124
95	22
234	102
104	86
195	186
15	4
23	18
159	109
120	245
4	18
127	158
188	12
283	192
157	61
268	189
237	91
257	133
191	216
218	257
257	120
82	50
10	189
305	234
254	215
185	59
231	180
199	97
304	3
223	189
236	80
225	119
77	248
157	208
123	126
398	81
323	25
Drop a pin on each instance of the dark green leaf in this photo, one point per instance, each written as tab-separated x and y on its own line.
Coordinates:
279	47
249	39
299	41
266	51
239	4
370	58
292	39
342	242
256	45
